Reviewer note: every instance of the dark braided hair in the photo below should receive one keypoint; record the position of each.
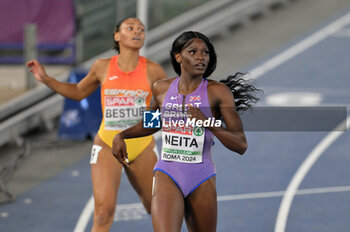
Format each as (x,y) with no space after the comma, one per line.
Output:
(243,92)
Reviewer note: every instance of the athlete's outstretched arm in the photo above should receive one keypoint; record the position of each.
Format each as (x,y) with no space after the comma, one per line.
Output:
(73,91)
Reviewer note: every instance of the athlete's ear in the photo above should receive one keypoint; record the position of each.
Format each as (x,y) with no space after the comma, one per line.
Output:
(116,36)
(178,58)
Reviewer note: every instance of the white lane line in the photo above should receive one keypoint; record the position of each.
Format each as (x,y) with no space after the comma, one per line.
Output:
(336,189)
(136,211)
(247,196)
(130,212)
(300,47)
(298,177)
(85,216)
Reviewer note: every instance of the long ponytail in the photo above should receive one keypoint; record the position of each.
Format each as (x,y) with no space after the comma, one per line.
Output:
(243,92)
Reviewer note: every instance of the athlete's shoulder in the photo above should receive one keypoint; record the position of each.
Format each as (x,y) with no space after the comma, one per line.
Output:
(149,61)
(98,70)
(213,84)
(163,84)
(218,89)
(152,64)
(155,71)
(101,63)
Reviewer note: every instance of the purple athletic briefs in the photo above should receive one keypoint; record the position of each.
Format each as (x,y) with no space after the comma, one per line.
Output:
(186,156)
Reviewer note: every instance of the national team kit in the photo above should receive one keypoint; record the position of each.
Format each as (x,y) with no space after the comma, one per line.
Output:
(124,97)
(186,150)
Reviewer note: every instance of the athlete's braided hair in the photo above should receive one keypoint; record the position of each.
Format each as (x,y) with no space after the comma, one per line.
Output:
(243,91)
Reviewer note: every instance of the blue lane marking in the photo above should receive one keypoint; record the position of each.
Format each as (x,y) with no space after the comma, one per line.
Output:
(55,204)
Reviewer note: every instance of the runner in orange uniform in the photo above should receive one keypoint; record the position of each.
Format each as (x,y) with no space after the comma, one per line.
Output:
(124,95)
(126,81)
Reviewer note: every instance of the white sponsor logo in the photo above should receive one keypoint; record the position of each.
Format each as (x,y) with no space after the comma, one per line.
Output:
(113,77)
(124,92)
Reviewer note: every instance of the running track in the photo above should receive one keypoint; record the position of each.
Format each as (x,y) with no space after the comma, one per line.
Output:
(286,181)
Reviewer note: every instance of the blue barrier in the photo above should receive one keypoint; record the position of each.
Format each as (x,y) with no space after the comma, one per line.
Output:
(80,119)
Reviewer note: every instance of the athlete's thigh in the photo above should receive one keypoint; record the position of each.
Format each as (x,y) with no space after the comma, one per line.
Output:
(201,207)
(140,174)
(105,174)
(167,204)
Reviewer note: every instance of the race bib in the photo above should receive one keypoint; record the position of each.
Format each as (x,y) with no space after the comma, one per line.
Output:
(122,112)
(183,144)
(94,153)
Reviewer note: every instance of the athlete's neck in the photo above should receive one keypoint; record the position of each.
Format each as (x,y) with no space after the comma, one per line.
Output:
(188,84)
(128,60)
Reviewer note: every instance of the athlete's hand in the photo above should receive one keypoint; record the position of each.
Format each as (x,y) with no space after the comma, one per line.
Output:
(37,69)
(196,113)
(119,150)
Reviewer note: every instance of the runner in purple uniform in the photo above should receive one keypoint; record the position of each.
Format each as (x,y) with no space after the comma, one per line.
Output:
(192,163)
(184,176)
